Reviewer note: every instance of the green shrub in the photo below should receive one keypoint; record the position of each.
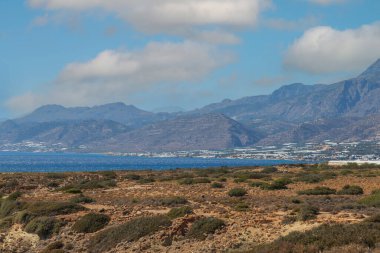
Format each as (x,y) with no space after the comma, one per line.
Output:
(180,212)
(324,238)
(14,195)
(237,192)
(108,174)
(319,190)
(296,201)
(90,184)
(241,207)
(371,200)
(189,181)
(133,177)
(9,206)
(172,201)
(6,223)
(258,184)
(73,191)
(279,184)
(38,209)
(43,226)
(217,185)
(128,232)
(307,212)
(269,170)
(147,180)
(91,223)
(82,199)
(204,226)
(240,180)
(351,190)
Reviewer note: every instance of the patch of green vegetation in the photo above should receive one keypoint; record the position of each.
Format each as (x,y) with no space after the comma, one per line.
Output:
(172,201)
(133,177)
(55,175)
(269,170)
(6,223)
(278,184)
(371,200)
(54,247)
(324,238)
(9,207)
(351,190)
(73,191)
(205,226)
(108,174)
(90,184)
(241,207)
(43,226)
(258,184)
(217,185)
(179,212)
(250,175)
(319,190)
(147,180)
(91,223)
(307,212)
(189,181)
(237,192)
(129,232)
(14,195)
(39,209)
(81,199)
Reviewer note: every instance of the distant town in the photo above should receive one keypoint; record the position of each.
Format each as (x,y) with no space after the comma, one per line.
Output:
(325,151)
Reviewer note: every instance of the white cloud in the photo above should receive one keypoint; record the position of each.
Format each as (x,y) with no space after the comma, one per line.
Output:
(323,49)
(127,75)
(168,16)
(327,2)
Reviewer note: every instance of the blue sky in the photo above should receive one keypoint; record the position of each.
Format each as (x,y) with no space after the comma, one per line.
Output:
(185,53)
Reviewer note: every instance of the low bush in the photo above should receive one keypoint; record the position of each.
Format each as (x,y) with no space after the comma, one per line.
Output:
(55,247)
(324,238)
(217,185)
(180,212)
(351,190)
(269,170)
(14,195)
(307,212)
(237,192)
(39,209)
(172,201)
(241,207)
(128,232)
(91,223)
(9,206)
(371,200)
(279,184)
(81,199)
(189,181)
(319,190)
(43,226)
(258,184)
(73,191)
(90,184)
(6,223)
(147,180)
(133,177)
(204,226)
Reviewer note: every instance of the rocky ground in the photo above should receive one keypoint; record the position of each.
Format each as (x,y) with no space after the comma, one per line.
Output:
(271,207)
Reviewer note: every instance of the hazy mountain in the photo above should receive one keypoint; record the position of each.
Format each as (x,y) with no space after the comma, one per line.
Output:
(119,112)
(343,111)
(208,131)
(298,102)
(70,133)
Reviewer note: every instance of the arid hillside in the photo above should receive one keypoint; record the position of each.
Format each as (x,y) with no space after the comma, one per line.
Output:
(310,208)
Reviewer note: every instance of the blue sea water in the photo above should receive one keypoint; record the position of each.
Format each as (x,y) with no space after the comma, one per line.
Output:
(58,162)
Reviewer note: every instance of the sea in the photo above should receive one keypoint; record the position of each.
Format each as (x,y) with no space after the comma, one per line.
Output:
(66,162)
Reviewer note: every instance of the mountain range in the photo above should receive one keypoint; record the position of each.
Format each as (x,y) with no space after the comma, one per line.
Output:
(344,111)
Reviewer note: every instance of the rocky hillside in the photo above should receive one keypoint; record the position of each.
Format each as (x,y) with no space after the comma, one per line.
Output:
(209,131)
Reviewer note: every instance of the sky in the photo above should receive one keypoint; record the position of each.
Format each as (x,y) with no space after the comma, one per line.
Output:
(176,53)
